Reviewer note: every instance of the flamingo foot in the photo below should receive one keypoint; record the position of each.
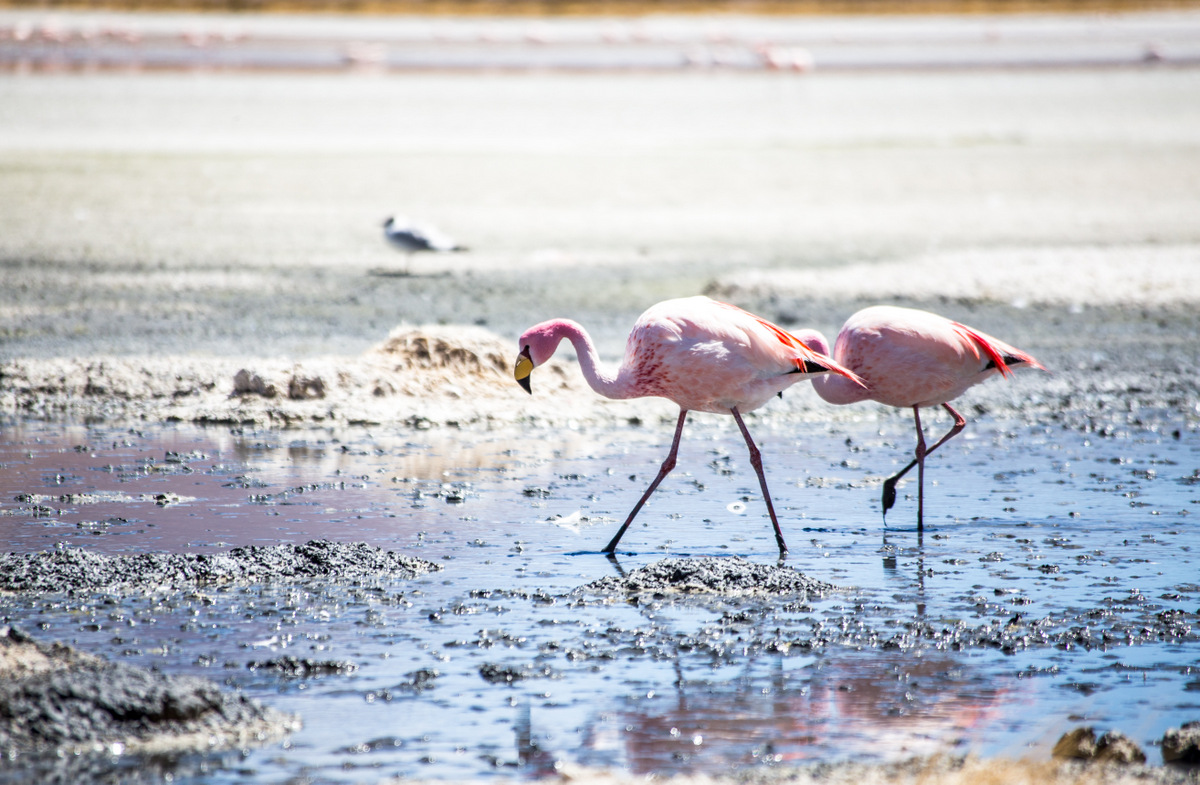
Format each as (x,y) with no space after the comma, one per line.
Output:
(889,494)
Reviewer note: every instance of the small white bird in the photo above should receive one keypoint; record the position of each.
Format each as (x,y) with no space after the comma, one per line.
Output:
(411,238)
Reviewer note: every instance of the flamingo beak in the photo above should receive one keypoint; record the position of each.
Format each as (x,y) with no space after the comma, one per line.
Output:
(523,370)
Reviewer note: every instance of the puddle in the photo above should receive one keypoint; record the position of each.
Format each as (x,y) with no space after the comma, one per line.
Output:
(1055,585)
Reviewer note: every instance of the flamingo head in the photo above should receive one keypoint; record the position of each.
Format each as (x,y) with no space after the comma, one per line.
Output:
(537,346)
(813,340)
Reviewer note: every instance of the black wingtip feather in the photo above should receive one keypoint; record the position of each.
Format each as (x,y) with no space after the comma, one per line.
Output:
(810,366)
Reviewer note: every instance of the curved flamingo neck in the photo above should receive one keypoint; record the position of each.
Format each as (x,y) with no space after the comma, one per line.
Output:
(830,386)
(599,377)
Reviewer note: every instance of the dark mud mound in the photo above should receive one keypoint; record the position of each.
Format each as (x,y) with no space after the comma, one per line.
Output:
(726,577)
(302,668)
(73,570)
(65,714)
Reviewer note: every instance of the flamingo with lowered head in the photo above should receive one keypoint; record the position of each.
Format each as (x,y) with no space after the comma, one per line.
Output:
(908,359)
(702,354)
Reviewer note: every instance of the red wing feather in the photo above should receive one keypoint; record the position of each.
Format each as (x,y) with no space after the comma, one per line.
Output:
(993,353)
(807,354)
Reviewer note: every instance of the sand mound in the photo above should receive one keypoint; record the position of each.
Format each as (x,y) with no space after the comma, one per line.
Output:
(445,375)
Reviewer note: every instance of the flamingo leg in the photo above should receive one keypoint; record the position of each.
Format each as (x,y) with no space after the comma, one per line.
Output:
(921,453)
(756,462)
(666,468)
(889,485)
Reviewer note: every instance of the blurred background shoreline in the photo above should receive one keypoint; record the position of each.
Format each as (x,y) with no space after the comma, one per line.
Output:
(609,8)
(653,39)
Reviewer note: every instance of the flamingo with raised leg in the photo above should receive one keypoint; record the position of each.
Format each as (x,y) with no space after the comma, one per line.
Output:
(702,354)
(908,359)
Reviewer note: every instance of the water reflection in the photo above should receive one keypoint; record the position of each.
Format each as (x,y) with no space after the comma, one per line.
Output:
(892,570)
(872,707)
(201,489)
(388,455)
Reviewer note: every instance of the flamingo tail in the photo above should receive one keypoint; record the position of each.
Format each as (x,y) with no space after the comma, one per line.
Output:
(1001,355)
(806,361)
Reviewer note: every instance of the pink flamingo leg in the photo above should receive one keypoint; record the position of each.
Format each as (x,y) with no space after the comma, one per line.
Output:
(667,466)
(889,485)
(756,462)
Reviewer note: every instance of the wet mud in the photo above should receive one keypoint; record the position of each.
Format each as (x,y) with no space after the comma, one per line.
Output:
(730,577)
(76,570)
(528,651)
(68,716)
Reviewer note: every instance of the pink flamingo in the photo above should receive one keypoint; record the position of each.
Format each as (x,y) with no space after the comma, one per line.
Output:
(910,358)
(703,355)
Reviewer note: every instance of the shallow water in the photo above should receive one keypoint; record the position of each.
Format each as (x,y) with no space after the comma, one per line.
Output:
(1074,543)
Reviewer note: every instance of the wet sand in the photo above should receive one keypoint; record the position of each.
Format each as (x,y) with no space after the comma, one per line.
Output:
(183,249)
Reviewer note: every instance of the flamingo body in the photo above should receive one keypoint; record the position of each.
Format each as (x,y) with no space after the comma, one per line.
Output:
(910,358)
(702,354)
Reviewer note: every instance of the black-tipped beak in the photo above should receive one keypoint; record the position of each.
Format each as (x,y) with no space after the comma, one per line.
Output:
(523,370)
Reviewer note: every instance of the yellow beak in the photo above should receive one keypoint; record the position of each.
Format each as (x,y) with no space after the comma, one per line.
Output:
(522,371)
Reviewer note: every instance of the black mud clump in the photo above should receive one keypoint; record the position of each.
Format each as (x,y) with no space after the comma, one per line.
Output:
(303,668)
(74,570)
(731,577)
(495,673)
(60,707)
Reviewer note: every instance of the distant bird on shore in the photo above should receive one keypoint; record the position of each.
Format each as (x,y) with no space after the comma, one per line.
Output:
(909,359)
(411,238)
(702,354)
